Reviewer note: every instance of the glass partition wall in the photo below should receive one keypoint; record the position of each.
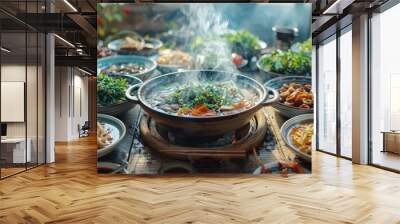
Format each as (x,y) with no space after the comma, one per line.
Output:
(334,89)
(385,90)
(22,77)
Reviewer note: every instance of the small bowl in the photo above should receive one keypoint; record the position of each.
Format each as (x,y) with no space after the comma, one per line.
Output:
(123,106)
(122,59)
(118,131)
(285,110)
(115,45)
(288,126)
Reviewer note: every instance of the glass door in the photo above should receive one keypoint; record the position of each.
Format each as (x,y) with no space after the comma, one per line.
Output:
(327,96)
(385,90)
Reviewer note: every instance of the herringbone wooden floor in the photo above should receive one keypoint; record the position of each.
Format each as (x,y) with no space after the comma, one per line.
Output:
(70,191)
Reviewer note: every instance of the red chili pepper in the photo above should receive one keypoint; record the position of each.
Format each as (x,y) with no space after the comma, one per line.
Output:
(99,21)
(127,10)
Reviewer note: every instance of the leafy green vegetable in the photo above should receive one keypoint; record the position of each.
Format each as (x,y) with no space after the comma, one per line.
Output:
(287,62)
(304,47)
(110,90)
(213,96)
(243,43)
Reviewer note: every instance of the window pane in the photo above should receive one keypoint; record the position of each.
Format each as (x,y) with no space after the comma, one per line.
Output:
(327,96)
(15,150)
(346,94)
(385,82)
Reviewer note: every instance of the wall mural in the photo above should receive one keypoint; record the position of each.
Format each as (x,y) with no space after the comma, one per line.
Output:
(204,88)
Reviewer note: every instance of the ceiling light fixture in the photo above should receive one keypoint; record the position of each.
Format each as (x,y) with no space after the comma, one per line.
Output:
(331,8)
(65,41)
(337,7)
(84,71)
(70,5)
(5,49)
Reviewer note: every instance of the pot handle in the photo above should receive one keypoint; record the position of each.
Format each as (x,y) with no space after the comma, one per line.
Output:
(129,95)
(271,99)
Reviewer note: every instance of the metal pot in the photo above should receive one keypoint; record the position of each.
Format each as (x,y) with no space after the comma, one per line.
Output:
(207,125)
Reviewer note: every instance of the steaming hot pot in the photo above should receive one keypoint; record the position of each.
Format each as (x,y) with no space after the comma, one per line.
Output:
(202,126)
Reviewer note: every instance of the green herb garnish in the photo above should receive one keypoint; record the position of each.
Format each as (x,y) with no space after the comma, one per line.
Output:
(110,90)
(213,96)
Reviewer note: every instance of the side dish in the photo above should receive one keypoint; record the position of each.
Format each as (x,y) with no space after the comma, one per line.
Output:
(110,90)
(301,137)
(131,44)
(104,52)
(125,69)
(243,42)
(175,57)
(104,137)
(296,95)
(286,62)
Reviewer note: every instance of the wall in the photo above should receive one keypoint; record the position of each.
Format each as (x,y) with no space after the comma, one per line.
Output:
(71,102)
(16,72)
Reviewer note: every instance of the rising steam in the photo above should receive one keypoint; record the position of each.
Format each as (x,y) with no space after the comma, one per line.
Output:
(207,24)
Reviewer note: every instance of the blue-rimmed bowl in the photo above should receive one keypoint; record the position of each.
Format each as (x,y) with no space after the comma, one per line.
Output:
(123,106)
(285,110)
(117,130)
(115,45)
(287,128)
(149,64)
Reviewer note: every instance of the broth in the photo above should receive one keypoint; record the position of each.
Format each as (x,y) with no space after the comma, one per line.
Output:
(208,99)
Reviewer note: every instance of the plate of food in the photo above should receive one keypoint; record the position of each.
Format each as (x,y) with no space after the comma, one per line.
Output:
(296,96)
(111,90)
(128,42)
(171,60)
(110,132)
(297,134)
(104,52)
(131,65)
(284,63)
